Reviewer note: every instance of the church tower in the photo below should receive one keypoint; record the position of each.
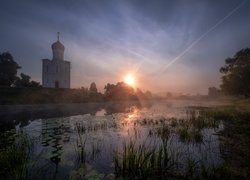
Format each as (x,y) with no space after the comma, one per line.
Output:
(56,72)
(58,49)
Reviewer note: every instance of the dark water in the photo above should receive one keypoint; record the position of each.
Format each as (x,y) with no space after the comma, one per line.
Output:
(102,131)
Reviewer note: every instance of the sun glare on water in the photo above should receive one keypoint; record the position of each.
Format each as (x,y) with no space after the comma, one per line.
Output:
(129,79)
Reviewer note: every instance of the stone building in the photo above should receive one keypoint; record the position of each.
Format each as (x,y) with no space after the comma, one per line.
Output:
(56,72)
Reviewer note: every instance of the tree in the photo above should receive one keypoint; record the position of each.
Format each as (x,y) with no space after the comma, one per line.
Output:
(119,92)
(24,81)
(236,73)
(93,88)
(8,69)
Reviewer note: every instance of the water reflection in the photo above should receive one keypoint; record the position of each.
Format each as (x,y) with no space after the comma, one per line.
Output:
(90,139)
(22,115)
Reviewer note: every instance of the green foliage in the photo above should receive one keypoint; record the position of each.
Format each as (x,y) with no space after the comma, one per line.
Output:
(8,69)
(236,73)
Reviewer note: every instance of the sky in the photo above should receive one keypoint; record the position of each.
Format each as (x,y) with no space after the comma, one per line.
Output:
(177,46)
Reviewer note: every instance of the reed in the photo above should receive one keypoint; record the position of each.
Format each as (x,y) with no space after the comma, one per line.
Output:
(15,160)
(144,160)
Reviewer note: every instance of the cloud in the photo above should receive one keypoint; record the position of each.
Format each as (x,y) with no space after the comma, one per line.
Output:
(105,39)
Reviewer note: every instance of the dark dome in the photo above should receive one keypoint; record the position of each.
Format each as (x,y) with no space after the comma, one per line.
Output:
(57,45)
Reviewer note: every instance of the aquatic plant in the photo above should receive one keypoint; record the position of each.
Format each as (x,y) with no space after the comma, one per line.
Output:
(191,168)
(190,134)
(85,172)
(80,143)
(96,150)
(144,160)
(163,132)
(173,122)
(184,134)
(15,160)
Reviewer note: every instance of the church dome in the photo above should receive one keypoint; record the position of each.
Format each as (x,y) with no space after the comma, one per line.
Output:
(57,45)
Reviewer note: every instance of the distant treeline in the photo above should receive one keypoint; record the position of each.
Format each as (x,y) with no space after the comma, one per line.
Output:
(39,95)
(23,90)
(45,95)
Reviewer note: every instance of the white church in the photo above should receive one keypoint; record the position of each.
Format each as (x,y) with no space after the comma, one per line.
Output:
(56,72)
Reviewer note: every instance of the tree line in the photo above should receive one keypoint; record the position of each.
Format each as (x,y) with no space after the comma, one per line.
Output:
(235,80)
(21,89)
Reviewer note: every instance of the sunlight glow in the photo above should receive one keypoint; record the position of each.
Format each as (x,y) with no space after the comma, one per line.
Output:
(129,79)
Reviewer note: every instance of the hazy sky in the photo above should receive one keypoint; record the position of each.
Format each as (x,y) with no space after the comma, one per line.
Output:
(176,45)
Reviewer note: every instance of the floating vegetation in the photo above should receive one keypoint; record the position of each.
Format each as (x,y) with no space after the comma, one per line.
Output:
(157,144)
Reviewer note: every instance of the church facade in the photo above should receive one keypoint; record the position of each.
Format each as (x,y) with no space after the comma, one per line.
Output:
(56,72)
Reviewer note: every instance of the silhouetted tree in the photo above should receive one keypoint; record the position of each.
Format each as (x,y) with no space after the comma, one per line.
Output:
(8,69)
(236,73)
(24,81)
(120,91)
(93,88)
(35,84)
(140,94)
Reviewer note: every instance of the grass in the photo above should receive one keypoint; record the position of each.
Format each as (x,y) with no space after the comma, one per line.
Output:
(80,143)
(173,122)
(201,119)
(154,160)
(15,160)
(187,134)
(144,161)
(235,142)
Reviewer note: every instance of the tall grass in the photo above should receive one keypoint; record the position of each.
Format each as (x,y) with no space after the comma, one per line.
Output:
(80,143)
(15,160)
(190,134)
(145,160)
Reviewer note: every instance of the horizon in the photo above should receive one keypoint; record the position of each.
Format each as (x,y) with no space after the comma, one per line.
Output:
(167,45)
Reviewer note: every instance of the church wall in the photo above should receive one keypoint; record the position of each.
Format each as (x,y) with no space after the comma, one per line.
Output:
(56,71)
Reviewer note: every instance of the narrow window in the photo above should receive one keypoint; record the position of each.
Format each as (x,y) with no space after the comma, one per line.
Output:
(47,68)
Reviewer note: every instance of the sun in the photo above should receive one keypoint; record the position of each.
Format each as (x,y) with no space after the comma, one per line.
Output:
(129,79)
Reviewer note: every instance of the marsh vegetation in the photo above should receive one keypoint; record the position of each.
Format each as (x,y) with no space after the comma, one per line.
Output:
(159,141)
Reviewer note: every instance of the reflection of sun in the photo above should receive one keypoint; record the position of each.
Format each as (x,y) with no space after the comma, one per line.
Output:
(133,113)
(129,79)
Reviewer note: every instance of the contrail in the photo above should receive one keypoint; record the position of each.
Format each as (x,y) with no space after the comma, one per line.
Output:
(203,35)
